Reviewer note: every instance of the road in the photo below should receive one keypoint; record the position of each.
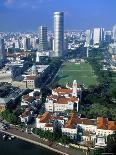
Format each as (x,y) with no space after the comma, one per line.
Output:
(36,140)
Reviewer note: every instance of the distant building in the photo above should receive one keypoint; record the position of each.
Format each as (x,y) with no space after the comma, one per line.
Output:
(88,38)
(28,44)
(108,36)
(50,43)
(98,36)
(43,43)
(42,57)
(65,44)
(114,33)
(2,49)
(8,95)
(58,34)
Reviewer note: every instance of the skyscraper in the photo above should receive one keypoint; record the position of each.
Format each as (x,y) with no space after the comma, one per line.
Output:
(43,44)
(114,33)
(101,35)
(108,36)
(28,43)
(98,36)
(58,34)
(2,49)
(88,37)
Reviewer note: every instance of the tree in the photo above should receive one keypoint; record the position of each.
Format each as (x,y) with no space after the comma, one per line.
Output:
(97,151)
(111,143)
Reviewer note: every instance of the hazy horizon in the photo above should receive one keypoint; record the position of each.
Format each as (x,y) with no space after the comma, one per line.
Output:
(27,15)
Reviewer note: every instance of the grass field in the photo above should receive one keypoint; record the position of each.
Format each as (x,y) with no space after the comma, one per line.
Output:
(83,73)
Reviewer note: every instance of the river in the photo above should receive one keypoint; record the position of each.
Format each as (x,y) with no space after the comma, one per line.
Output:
(19,147)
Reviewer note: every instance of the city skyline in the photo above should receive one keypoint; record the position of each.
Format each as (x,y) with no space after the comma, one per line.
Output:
(27,15)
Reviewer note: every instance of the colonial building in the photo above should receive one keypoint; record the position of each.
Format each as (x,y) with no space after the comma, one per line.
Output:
(32,99)
(26,115)
(63,99)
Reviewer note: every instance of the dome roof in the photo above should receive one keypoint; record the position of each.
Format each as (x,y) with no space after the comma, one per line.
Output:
(33,68)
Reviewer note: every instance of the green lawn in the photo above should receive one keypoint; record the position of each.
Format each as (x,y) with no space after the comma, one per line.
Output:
(81,72)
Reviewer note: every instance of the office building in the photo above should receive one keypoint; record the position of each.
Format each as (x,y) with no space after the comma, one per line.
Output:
(98,36)
(101,35)
(58,34)
(114,33)
(88,38)
(28,44)
(43,43)
(108,36)
(2,49)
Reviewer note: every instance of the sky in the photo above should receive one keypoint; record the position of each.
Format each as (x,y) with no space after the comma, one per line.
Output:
(27,15)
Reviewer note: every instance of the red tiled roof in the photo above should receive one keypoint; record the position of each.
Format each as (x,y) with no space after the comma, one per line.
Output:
(63,91)
(57,118)
(64,100)
(53,97)
(30,77)
(112,125)
(102,123)
(49,125)
(28,98)
(45,117)
(74,120)
(73,99)
(26,113)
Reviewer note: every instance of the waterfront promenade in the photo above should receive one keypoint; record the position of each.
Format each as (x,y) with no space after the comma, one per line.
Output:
(36,140)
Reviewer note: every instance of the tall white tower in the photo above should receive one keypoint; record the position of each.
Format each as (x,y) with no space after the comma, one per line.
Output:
(58,34)
(74,93)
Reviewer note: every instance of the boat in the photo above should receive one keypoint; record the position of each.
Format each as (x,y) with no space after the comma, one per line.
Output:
(5,137)
(12,137)
(9,138)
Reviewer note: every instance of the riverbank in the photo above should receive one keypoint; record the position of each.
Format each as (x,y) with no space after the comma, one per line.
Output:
(45,144)
(17,146)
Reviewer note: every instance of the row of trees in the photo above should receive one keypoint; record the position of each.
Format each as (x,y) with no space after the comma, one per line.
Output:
(100,98)
(11,117)
(52,136)
(46,77)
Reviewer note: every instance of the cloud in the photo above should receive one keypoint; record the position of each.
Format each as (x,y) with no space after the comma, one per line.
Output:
(33,4)
(8,3)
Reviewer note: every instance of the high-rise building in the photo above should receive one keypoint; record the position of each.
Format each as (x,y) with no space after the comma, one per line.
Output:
(58,34)
(50,43)
(98,36)
(114,33)
(101,35)
(108,36)
(65,44)
(43,44)
(2,49)
(28,44)
(88,38)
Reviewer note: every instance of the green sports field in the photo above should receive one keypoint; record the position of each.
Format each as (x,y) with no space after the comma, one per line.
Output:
(83,73)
